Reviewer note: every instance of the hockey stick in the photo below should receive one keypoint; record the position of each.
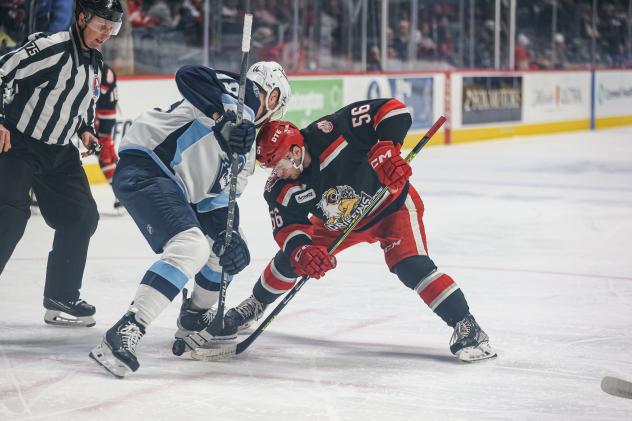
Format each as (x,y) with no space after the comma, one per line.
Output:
(217,324)
(617,387)
(211,354)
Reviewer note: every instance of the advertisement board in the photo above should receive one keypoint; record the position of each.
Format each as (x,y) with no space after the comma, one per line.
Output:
(416,92)
(556,96)
(613,93)
(313,98)
(491,99)
(138,95)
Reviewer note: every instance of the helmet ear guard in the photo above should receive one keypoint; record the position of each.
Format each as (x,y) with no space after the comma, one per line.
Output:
(269,75)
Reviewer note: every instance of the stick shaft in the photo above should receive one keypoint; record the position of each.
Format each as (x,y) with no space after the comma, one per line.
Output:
(218,322)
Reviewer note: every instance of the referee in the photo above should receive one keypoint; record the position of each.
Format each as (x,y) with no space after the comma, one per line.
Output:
(49,89)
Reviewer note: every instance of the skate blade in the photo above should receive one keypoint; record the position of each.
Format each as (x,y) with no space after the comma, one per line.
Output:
(471,354)
(214,354)
(59,318)
(102,354)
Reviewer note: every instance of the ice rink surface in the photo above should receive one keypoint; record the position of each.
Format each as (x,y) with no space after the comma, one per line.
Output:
(537,232)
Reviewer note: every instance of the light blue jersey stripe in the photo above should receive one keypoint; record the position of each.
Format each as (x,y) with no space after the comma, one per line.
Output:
(171,273)
(212,276)
(191,136)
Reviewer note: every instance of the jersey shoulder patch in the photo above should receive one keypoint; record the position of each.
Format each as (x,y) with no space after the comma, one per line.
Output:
(280,192)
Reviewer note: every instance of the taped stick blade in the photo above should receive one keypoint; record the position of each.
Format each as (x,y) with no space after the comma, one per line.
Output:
(214,354)
(617,387)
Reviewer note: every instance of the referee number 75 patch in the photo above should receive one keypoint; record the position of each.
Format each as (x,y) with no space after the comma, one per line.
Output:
(31,49)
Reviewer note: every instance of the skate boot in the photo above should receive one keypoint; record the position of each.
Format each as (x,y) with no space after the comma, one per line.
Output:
(117,352)
(469,343)
(242,316)
(119,209)
(190,321)
(75,313)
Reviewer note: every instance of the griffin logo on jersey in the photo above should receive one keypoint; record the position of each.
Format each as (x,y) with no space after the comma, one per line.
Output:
(341,205)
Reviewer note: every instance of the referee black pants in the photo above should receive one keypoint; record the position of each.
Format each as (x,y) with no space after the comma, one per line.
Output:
(56,176)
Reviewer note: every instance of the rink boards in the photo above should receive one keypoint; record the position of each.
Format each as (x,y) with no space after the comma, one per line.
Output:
(479,104)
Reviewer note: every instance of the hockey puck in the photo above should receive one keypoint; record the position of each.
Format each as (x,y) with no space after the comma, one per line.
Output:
(178,347)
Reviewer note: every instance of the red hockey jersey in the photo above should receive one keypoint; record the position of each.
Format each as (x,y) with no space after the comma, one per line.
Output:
(339,182)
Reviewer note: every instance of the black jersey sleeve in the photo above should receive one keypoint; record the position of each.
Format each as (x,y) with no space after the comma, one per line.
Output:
(375,120)
(200,86)
(107,102)
(291,226)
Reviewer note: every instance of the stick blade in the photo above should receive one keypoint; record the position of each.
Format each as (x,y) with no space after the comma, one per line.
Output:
(617,387)
(214,354)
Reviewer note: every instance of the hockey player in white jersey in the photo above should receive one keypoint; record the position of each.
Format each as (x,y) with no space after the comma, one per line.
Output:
(173,179)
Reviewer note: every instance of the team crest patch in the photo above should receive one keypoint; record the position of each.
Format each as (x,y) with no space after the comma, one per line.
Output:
(272,180)
(341,205)
(325,126)
(96,86)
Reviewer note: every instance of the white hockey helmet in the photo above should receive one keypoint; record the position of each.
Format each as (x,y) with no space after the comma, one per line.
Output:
(269,75)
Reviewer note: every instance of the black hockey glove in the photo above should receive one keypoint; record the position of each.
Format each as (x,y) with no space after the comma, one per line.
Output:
(235,257)
(233,137)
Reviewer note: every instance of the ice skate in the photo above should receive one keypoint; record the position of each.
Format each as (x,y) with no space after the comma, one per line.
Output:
(119,209)
(190,321)
(192,325)
(469,343)
(74,313)
(242,316)
(117,352)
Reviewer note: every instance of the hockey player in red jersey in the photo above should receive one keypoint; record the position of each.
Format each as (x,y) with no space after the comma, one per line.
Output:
(330,170)
(104,124)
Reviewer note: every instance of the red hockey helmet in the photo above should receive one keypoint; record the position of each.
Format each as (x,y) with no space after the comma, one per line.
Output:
(274,141)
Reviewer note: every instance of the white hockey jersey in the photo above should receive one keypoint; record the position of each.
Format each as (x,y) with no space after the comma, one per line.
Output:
(181,141)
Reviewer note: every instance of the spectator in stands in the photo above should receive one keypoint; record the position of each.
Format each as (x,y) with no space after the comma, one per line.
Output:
(427,46)
(48,15)
(401,39)
(559,52)
(522,53)
(159,14)
(373,61)
(12,24)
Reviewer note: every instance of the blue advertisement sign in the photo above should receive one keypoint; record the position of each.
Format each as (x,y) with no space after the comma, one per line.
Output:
(417,93)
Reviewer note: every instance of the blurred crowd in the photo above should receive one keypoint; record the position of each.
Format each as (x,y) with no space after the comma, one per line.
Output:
(328,35)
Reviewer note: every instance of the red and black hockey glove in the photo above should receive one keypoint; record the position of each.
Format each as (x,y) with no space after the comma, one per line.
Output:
(312,261)
(392,170)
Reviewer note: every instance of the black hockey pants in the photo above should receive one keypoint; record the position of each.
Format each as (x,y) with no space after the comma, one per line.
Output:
(60,184)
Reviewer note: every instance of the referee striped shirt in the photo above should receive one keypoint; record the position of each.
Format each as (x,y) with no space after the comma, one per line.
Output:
(50,87)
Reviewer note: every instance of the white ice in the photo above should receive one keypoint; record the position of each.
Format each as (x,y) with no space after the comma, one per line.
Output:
(537,231)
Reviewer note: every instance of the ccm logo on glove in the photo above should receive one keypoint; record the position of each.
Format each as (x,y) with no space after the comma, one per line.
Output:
(392,170)
(312,261)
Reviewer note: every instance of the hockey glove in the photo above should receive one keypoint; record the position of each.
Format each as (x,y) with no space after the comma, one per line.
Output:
(392,170)
(312,261)
(233,137)
(235,257)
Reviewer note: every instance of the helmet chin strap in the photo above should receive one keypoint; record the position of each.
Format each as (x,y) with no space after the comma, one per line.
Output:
(299,166)
(82,30)
(269,112)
